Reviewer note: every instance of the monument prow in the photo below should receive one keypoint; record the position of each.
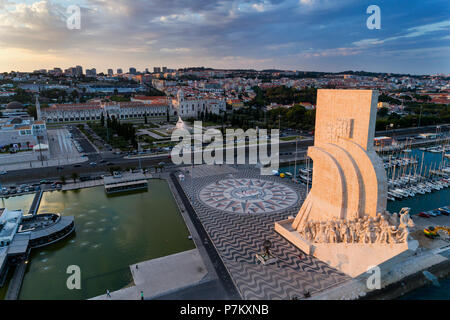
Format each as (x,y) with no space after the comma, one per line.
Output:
(343,220)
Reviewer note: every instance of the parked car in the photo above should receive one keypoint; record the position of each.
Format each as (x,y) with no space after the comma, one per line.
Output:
(423,215)
(3,172)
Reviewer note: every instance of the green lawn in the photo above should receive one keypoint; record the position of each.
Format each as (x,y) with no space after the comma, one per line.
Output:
(158,133)
(288,138)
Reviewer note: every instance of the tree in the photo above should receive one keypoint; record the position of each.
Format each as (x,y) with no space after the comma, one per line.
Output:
(102,120)
(31,110)
(63,179)
(145,118)
(383,112)
(74,176)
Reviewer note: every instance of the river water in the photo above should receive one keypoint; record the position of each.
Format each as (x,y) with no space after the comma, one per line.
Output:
(112,232)
(115,232)
(417,204)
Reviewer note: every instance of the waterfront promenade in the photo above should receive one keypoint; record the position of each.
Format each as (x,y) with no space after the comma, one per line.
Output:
(161,276)
(16,281)
(237,231)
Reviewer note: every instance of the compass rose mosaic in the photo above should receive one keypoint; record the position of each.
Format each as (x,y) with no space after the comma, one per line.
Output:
(248,196)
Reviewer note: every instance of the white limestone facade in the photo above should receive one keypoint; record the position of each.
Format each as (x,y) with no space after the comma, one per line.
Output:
(193,106)
(93,111)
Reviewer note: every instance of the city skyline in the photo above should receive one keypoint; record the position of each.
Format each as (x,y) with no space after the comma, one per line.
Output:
(305,35)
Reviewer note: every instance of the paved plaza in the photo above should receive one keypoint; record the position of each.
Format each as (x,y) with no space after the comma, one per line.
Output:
(162,276)
(248,196)
(62,152)
(238,209)
(61,145)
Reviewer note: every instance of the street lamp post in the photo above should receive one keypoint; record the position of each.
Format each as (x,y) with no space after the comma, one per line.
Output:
(420,116)
(40,149)
(295,163)
(279,122)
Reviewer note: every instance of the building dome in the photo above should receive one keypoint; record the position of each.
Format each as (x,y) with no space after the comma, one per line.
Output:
(14,106)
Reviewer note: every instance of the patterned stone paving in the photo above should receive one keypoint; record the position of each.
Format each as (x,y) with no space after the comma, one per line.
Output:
(248,196)
(238,235)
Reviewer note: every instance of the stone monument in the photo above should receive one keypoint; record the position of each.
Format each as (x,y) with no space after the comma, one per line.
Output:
(343,220)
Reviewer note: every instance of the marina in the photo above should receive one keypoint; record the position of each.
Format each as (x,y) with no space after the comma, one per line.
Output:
(121,229)
(103,212)
(410,172)
(432,195)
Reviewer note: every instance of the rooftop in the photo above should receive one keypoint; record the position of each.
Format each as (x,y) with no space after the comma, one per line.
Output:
(124,178)
(9,223)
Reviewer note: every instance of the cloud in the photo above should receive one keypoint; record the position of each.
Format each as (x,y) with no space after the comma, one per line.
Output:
(428,28)
(225,33)
(412,32)
(175,50)
(280,46)
(332,52)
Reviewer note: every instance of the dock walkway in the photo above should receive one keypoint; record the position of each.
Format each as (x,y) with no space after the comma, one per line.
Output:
(36,202)
(16,281)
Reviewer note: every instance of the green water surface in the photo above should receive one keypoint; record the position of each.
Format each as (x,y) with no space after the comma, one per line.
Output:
(112,232)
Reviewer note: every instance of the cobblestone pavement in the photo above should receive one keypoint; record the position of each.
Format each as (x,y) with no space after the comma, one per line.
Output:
(238,236)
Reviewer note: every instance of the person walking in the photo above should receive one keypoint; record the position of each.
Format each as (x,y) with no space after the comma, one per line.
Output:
(108,294)
(142,295)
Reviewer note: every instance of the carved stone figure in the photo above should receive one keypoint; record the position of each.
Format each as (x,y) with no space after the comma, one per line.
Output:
(348,196)
(365,230)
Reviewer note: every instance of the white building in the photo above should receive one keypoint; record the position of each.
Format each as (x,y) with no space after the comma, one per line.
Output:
(9,224)
(21,133)
(92,111)
(193,106)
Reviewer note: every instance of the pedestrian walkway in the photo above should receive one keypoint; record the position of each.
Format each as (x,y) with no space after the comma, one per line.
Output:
(36,202)
(41,164)
(16,281)
(162,276)
(237,238)
(152,134)
(82,184)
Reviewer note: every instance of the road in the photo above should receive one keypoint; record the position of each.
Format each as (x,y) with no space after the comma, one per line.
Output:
(102,159)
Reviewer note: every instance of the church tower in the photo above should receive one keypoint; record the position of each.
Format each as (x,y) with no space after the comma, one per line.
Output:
(180,96)
(38,109)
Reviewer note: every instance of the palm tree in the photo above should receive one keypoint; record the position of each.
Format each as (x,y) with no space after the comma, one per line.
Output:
(74,176)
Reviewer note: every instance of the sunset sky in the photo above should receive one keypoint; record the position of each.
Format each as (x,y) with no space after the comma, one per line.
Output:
(319,35)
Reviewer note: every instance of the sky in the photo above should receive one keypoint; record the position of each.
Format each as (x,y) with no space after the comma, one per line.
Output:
(309,35)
